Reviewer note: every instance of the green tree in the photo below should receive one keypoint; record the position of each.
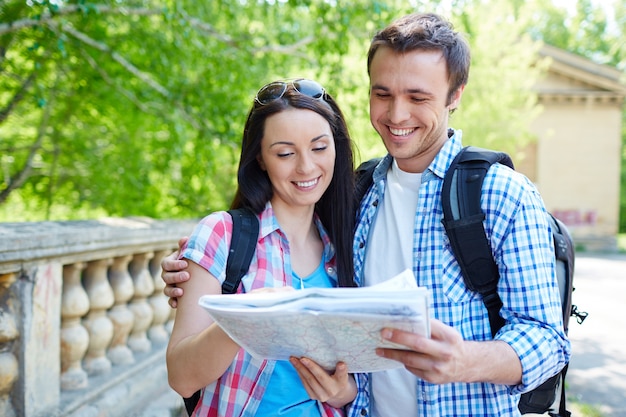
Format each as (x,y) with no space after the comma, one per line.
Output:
(498,105)
(136,108)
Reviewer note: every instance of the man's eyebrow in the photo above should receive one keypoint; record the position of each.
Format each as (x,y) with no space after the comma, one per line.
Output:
(407,91)
(379,87)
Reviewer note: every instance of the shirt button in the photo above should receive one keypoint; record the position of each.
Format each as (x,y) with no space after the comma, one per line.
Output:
(363,412)
(375,203)
(330,270)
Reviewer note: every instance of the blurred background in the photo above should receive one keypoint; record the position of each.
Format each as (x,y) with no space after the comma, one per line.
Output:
(136,108)
(121,124)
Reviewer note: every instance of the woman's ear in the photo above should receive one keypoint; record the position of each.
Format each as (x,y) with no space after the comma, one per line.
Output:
(259,159)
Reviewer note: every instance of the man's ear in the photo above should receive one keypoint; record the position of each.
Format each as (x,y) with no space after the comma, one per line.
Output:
(455,100)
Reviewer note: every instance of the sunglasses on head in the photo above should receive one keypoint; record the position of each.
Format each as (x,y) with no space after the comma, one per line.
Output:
(275,90)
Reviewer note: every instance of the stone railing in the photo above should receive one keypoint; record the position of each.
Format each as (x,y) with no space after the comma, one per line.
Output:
(83,320)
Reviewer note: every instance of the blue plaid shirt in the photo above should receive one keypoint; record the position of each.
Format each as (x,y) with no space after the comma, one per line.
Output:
(519,233)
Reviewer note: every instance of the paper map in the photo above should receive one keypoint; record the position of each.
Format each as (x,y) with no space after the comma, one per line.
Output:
(327,325)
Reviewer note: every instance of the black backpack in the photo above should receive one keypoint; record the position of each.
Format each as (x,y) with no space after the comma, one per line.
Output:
(463,221)
(242,246)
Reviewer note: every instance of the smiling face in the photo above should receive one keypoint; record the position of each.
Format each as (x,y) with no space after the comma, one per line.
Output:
(298,154)
(408,104)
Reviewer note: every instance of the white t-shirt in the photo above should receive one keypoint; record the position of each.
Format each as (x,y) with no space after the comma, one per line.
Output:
(389,252)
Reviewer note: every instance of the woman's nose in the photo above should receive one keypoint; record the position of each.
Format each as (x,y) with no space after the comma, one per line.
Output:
(305,163)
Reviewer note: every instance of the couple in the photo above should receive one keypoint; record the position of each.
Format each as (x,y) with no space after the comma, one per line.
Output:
(296,173)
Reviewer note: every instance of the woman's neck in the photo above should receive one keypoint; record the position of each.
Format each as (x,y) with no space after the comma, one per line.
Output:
(305,243)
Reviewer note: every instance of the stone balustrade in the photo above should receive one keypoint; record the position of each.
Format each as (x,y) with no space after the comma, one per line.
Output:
(83,319)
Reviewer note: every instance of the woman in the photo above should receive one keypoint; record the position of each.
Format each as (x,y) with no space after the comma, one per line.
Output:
(296,174)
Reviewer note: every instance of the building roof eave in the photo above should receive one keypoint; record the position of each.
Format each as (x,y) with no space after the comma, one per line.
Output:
(583,70)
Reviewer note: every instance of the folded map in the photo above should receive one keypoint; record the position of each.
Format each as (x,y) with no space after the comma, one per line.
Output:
(327,325)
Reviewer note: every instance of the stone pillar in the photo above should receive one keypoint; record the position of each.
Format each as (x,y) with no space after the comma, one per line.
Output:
(97,322)
(8,361)
(74,336)
(158,302)
(144,287)
(41,337)
(120,314)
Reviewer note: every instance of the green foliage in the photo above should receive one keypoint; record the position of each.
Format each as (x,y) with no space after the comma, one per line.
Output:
(587,29)
(498,104)
(137,108)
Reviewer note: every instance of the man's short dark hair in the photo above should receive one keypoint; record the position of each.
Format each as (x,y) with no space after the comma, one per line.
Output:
(429,32)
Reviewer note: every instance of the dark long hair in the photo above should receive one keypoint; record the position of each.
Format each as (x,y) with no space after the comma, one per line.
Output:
(335,207)
(430,32)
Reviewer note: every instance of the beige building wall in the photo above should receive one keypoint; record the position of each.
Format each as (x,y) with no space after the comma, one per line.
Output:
(576,161)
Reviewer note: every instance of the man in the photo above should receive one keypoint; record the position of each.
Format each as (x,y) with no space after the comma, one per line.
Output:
(418,68)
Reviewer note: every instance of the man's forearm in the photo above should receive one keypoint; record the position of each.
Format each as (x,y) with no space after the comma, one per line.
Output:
(492,361)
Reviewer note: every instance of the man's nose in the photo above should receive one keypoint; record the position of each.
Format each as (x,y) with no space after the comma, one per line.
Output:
(398,111)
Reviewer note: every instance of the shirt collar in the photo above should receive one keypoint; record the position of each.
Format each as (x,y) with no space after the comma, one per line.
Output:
(269,224)
(437,167)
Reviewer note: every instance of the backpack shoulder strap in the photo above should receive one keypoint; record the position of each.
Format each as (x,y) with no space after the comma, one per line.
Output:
(242,246)
(463,221)
(244,238)
(363,179)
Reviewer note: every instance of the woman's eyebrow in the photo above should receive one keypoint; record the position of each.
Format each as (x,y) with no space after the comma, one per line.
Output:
(285,142)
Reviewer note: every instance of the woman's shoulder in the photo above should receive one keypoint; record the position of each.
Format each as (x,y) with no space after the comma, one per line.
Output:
(210,240)
(215,218)
(214,226)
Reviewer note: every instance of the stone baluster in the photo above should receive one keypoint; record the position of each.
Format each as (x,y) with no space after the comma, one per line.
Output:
(144,287)
(8,361)
(122,318)
(158,301)
(170,320)
(97,322)
(172,311)
(74,337)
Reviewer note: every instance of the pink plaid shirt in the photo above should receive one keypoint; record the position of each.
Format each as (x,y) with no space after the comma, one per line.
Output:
(238,392)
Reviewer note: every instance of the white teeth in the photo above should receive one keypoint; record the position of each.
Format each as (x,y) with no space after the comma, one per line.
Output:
(306,183)
(400,132)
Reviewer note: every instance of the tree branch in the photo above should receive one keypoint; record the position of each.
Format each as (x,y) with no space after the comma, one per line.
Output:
(133,98)
(282,49)
(47,16)
(143,76)
(205,27)
(24,173)
(289,49)
(105,76)
(19,95)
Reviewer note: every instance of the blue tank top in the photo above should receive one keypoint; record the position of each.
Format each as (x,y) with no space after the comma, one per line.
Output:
(285,395)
